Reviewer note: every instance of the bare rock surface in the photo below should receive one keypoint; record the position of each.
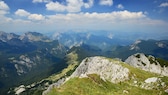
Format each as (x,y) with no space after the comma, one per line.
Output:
(109,70)
(149,63)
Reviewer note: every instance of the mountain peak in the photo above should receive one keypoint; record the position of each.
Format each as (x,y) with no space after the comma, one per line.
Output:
(134,46)
(7,36)
(34,36)
(148,63)
(109,70)
(100,74)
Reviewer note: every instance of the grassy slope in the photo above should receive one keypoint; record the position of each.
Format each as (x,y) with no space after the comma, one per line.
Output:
(93,85)
(88,86)
(73,63)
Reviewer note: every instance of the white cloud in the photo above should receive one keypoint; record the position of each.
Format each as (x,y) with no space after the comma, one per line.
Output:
(22,12)
(117,20)
(124,15)
(3,8)
(70,6)
(2,12)
(106,21)
(106,2)
(28,15)
(74,5)
(89,4)
(55,6)
(120,6)
(163,5)
(36,17)
(41,1)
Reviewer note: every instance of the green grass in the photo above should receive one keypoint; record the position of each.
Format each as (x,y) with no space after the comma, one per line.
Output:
(72,64)
(138,73)
(95,86)
(162,62)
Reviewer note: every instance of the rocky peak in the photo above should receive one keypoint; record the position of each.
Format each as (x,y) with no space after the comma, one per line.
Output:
(147,63)
(162,44)
(34,36)
(134,46)
(7,36)
(109,70)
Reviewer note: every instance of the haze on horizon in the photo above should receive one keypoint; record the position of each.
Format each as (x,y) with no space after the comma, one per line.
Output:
(125,16)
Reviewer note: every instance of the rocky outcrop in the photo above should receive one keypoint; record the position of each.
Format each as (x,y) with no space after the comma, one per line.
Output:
(34,36)
(147,63)
(24,64)
(151,83)
(19,89)
(108,69)
(134,46)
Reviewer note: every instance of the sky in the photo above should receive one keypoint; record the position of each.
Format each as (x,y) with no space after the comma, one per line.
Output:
(150,16)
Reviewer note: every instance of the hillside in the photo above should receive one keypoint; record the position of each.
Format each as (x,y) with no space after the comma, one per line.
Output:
(27,58)
(148,63)
(157,48)
(96,75)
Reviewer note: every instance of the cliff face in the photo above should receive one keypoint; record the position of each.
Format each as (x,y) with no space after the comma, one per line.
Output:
(109,70)
(147,63)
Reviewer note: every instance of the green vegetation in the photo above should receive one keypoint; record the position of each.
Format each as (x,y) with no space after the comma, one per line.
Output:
(162,62)
(143,63)
(138,56)
(141,75)
(152,60)
(73,63)
(93,85)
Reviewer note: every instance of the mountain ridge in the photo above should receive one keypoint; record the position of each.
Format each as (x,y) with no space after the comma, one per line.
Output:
(134,78)
(33,56)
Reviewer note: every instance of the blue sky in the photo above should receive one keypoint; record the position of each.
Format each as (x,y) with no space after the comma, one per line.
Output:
(84,15)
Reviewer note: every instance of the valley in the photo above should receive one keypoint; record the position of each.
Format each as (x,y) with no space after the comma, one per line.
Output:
(32,62)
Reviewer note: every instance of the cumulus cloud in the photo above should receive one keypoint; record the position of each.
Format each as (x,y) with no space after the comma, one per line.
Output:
(55,6)
(99,20)
(163,5)
(89,4)
(70,6)
(3,8)
(22,12)
(106,2)
(120,6)
(116,20)
(36,17)
(41,1)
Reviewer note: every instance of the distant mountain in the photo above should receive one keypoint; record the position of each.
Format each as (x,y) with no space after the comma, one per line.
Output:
(4,37)
(28,58)
(32,57)
(102,41)
(100,75)
(150,47)
(113,45)
(34,36)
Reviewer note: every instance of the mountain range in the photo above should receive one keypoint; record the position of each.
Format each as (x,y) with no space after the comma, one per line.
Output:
(28,58)
(105,76)
(38,61)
